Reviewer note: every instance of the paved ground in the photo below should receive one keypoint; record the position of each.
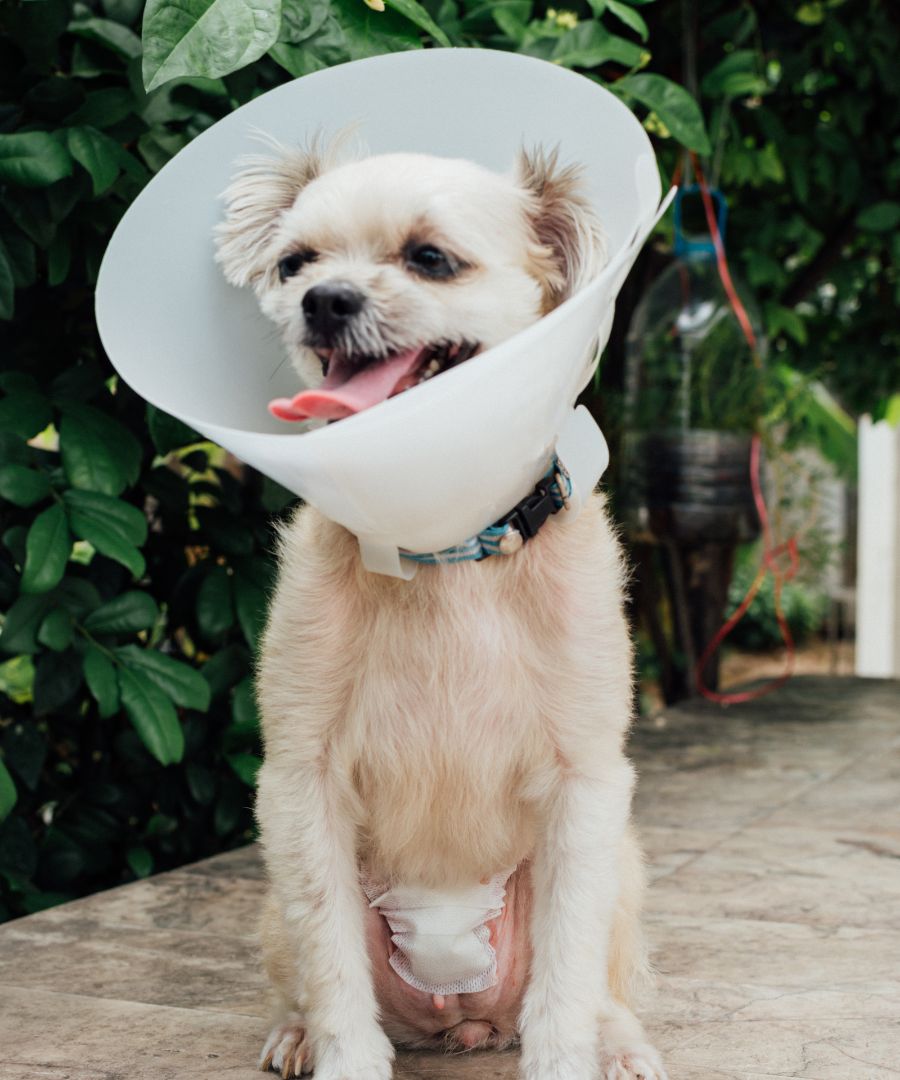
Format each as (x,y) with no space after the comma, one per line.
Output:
(773,836)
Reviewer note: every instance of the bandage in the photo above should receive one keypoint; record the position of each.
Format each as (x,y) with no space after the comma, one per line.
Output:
(442,943)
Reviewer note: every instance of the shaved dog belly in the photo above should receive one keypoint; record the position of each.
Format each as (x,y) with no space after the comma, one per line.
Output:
(485,1019)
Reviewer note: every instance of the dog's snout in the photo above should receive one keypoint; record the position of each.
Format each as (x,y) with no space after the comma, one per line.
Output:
(328,307)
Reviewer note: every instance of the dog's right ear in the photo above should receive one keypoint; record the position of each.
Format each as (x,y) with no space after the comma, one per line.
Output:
(261,192)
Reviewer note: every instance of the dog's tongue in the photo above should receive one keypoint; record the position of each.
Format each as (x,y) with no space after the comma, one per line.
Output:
(346,391)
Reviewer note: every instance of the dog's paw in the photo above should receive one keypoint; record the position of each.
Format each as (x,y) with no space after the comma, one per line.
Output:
(355,1058)
(639,1062)
(287,1049)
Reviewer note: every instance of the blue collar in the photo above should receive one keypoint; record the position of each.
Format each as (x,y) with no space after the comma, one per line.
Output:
(550,495)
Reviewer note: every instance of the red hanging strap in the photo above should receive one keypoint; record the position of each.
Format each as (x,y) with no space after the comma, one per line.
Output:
(773,553)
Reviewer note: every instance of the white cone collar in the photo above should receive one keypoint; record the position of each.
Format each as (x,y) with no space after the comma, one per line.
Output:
(440,462)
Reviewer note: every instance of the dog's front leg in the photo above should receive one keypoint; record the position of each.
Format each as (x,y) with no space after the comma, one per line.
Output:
(568,1009)
(309,839)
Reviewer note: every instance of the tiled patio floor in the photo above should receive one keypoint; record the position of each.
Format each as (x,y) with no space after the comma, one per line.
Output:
(773,835)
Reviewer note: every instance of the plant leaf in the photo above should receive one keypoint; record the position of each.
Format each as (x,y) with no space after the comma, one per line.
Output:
(97,153)
(418,15)
(879,217)
(8,793)
(250,604)
(672,104)
(183,684)
(152,715)
(111,35)
(23,620)
(107,538)
(215,607)
(629,16)
(117,515)
(124,614)
(169,433)
(100,676)
(140,860)
(589,44)
(209,38)
(56,630)
(245,767)
(33,159)
(7,285)
(47,551)
(25,413)
(98,453)
(23,486)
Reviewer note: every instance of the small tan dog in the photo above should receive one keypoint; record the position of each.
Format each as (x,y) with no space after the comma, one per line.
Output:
(434,746)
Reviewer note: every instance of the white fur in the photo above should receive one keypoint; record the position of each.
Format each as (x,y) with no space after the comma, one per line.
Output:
(440,730)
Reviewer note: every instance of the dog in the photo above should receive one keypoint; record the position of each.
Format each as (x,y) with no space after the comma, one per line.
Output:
(451,744)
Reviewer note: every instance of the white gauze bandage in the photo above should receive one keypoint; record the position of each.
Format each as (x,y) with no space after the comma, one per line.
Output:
(442,945)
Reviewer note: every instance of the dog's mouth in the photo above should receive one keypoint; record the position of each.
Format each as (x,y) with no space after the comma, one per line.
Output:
(353,384)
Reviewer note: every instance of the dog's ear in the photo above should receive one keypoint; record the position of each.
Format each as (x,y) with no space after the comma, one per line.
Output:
(263,189)
(570,245)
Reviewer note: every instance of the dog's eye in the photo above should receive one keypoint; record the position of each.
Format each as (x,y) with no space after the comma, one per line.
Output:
(429,260)
(292,264)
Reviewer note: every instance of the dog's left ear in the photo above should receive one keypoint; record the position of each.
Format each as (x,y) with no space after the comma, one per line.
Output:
(261,192)
(570,246)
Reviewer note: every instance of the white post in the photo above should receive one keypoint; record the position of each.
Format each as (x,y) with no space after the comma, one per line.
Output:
(878,557)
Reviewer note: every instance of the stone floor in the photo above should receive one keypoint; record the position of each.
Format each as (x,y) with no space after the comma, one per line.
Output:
(773,836)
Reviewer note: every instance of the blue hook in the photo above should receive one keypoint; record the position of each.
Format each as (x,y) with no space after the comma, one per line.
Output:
(687,247)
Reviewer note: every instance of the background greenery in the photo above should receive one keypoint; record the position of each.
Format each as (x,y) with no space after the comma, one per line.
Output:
(134,559)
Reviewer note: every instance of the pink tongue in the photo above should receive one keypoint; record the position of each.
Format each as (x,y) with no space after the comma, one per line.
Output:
(340,396)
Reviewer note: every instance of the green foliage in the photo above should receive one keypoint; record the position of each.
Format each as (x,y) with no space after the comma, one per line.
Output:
(128,735)
(803,110)
(134,559)
(803,605)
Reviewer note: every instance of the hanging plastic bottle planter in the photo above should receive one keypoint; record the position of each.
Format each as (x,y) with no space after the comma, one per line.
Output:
(693,400)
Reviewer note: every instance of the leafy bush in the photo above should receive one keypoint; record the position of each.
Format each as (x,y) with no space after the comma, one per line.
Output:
(803,604)
(134,560)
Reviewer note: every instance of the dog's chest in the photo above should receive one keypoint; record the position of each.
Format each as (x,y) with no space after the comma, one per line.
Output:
(446,730)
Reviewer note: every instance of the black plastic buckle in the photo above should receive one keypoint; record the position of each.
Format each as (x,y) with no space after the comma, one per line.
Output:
(530,514)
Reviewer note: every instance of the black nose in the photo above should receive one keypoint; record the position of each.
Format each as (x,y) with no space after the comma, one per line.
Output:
(328,307)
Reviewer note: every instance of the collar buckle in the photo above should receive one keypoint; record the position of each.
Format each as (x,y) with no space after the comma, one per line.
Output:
(528,516)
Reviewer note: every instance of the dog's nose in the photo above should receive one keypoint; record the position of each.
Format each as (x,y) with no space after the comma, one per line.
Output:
(328,307)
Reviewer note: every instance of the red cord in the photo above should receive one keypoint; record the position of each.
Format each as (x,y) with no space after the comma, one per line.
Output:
(772,553)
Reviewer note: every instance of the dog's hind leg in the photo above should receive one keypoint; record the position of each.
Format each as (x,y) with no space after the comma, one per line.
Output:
(314,936)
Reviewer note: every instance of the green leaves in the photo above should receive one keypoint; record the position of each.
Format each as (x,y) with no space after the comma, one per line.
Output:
(23,486)
(183,684)
(738,75)
(672,104)
(98,453)
(8,794)
(418,15)
(629,17)
(126,614)
(152,715)
(879,217)
(115,528)
(97,153)
(47,551)
(100,676)
(589,44)
(205,37)
(33,159)
(349,31)
(215,603)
